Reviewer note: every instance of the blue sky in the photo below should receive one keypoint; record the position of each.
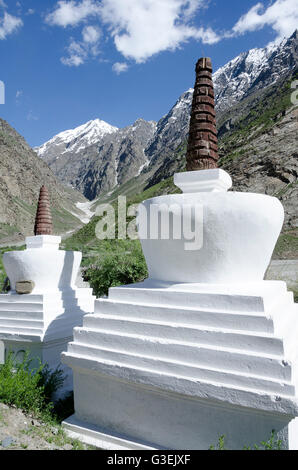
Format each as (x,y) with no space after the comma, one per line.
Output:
(67,62)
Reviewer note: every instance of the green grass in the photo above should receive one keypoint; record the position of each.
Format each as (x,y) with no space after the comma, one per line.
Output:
(233,156)
(263,114)
(63,220)
(287,246)
(7,230)
(31,209)
(31,390)
(28,388)
(273,443)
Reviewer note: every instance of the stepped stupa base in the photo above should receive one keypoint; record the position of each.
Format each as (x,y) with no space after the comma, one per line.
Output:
(175,366)
(42,325)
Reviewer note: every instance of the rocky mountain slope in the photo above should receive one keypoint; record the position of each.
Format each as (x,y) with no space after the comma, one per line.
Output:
(115,157)
(246,75)
(254,70)
(22,173)
(96,157)
(257,146)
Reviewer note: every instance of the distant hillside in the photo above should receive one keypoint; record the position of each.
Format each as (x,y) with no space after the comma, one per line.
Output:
(22,173)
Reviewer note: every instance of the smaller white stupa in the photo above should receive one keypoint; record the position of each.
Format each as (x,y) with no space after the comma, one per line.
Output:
(44,304)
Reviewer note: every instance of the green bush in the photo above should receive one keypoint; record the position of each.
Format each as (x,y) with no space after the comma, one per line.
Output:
(28,388)
(272,444)
(117,269)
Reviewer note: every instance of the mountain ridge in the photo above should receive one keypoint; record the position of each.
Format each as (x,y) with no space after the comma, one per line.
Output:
(122,154)
(22,173)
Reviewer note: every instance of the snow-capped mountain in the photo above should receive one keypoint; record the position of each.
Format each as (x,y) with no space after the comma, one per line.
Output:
(75,140)
(96,157)
(255,69)
(250,71)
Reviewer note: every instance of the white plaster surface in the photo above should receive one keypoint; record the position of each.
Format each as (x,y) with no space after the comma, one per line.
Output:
(240,231)
(173,348)
(203,181)
(202,348)
(43,263)
(42,322)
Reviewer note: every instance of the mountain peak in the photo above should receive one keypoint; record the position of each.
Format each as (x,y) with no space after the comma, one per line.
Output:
(79,137)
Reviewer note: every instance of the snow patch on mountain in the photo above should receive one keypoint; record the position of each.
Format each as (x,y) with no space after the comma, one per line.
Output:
(75,140)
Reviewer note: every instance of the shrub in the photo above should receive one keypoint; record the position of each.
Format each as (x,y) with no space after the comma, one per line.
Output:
(272,444)
(28,388)
(64,407)
(117,269)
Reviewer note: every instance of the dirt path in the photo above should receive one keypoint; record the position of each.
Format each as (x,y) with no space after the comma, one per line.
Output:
(19,431)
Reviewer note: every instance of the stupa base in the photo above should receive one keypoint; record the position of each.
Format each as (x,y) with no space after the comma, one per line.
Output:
(177,366)
(97,437)
(134,417)
(42,326)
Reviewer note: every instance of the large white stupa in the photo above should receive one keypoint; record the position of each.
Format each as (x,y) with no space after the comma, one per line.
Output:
(204,347)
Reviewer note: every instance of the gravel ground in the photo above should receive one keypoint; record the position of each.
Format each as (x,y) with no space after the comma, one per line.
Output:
(19,431)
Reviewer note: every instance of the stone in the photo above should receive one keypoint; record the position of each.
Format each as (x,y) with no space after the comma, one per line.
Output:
(24,287)
(7,441)
(68,447)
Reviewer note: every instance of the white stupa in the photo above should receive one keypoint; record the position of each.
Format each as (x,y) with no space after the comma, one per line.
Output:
(204,347)
(44,304)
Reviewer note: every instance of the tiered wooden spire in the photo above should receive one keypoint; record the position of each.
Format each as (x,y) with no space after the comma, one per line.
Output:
(202,150)
(43,221)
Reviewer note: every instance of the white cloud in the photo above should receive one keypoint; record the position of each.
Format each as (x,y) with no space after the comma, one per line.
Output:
(9,24)
(120,67)
(31,116)
(282,16)
(91,34)
(78,52)
(142,28)
(19,95)
(72,13)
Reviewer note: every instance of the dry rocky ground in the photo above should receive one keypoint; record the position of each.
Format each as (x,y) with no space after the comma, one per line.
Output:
(20,431)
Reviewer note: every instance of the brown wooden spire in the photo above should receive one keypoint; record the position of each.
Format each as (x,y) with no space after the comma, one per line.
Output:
(43,221)
(202,150)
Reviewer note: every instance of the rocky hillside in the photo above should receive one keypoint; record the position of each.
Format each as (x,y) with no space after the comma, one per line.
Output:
(254,70)
(96,157)
(22,173)
(258,146)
